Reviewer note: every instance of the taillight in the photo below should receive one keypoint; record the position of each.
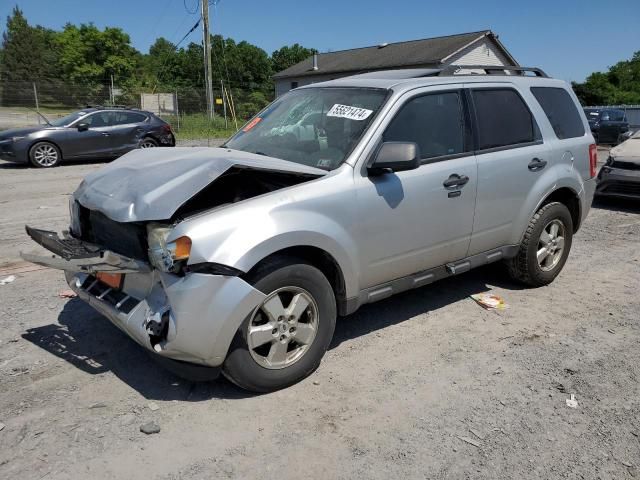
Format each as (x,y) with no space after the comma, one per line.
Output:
(593,159)
(166,128)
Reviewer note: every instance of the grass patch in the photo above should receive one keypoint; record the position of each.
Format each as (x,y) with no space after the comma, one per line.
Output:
(194,126)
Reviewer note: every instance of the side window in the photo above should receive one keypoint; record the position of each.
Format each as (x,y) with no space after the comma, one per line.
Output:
(123,118)
(434,121)
(616,116)
(503,119)
(560,110)
(98,119)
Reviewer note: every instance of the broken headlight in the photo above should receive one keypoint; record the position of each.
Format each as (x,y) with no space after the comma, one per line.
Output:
(74,217)
(166,256)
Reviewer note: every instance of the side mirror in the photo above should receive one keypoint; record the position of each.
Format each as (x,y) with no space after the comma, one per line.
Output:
(395,156)
(82,127)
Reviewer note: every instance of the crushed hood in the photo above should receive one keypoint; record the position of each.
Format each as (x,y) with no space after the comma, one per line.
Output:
(629,150)
(151,184)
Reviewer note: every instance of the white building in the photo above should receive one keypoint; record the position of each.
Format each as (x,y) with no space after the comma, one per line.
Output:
(476,48)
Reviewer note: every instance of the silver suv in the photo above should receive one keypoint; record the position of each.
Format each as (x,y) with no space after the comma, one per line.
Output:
(337,194)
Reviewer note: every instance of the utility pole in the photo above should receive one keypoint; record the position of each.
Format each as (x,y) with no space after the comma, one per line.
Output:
(224,103)
(113,97)
(207,56)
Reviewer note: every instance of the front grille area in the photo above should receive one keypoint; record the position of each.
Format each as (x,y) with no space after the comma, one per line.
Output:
(623,189)
(625,165)
(128,239)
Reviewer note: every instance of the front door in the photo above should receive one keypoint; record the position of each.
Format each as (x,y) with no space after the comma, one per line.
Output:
(95,142)
(410,221)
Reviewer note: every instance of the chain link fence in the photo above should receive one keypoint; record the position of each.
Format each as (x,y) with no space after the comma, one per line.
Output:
(183,107)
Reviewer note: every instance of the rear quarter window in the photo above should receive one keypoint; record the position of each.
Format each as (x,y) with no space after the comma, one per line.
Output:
(560,110)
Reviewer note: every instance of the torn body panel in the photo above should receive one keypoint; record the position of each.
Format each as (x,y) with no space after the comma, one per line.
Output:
(75,255)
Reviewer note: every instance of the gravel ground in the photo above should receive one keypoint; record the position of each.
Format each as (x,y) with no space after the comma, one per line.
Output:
(423,385)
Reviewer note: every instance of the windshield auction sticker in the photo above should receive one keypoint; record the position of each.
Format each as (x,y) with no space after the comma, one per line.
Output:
(352,113)
(252,124)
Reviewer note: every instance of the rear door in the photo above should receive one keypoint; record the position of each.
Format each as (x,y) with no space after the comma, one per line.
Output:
(511,160)
(410,221)
(127,129)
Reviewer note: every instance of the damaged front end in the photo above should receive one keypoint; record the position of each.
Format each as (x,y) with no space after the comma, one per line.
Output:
(119,256)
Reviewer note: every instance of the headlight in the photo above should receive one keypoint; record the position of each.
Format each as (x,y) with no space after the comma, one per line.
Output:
(74,217)
(166,256)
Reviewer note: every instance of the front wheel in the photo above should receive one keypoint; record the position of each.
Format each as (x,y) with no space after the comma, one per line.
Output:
(283,340)
(545,246)
(44,155)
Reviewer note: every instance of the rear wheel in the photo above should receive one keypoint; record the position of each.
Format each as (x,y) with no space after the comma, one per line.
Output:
(545,246)
(44,155)
(283,340)
(148,142)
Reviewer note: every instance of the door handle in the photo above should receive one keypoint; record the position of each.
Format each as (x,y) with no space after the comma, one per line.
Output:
(105,134)
(455,180)
(537,164)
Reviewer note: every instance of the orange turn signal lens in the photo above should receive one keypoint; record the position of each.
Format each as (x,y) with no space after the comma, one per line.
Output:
(183,248)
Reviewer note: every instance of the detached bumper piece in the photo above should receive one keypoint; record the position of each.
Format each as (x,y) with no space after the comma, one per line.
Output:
(76,255)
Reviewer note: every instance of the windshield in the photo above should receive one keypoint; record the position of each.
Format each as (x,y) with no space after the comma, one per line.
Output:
(317,127)
(67,119)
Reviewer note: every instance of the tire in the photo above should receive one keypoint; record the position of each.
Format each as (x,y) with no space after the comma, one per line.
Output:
(248,363)
(148,142)
(525,266)
(44,155)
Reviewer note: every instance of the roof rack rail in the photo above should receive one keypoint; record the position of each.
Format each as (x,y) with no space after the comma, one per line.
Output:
(493,70)
(126,107)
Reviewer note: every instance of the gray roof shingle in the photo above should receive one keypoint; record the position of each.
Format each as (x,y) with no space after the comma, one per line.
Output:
(394,55)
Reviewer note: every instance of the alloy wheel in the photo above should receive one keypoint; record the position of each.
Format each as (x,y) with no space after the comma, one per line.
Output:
(551,245)
(283,328)
(45,155)
(147,144)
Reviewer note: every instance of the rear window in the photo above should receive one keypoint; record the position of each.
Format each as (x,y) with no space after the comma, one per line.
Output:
(503,119)
(560,110)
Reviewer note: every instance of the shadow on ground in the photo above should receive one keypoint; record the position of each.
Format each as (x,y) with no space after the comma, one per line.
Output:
(88,341)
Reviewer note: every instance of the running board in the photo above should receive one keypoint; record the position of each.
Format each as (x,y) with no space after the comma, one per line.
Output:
(426,277)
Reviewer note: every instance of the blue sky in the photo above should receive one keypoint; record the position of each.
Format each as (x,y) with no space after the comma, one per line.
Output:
(568,38)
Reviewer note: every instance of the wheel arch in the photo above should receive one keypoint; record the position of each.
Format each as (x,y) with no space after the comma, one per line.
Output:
(44,140)
(569,198)
(319,258)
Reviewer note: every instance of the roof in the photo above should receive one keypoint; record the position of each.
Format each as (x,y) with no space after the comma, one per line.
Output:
(401,84)
(427,51)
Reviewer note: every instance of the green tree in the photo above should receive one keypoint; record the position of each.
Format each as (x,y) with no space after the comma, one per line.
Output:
(27,56)
(287,56)
(620,85)
(90,56)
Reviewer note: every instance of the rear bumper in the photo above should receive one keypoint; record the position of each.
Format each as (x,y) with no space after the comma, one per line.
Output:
(615,182)
(190,318)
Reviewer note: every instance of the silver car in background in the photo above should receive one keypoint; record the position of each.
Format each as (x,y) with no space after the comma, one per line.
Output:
(338,194)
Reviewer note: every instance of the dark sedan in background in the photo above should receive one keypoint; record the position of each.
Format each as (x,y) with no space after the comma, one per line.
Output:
(96,132)
(608,125)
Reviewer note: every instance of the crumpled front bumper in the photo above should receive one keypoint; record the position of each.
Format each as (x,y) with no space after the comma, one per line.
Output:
(199,313)
(203,311)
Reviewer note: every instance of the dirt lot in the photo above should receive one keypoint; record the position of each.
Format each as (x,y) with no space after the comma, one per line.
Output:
(423,385)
